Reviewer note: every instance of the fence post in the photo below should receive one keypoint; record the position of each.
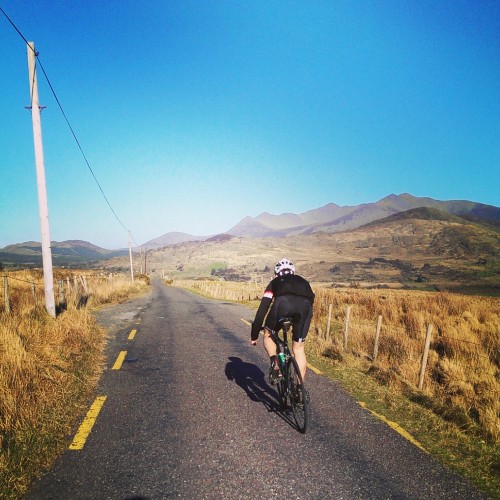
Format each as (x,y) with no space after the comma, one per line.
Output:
(33,291)
(329,320)
(6,293)
(425,355)
(84,284)
(61,291)
(377,336)
(346,326)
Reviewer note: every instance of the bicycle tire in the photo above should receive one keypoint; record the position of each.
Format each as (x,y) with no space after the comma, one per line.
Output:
(299,400)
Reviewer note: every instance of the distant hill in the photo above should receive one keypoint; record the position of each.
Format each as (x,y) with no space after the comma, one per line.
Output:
(422,213)
(431,232)
(65,253)
(329,219)
(171,238)
(333,218)
(422,248)
(221,237)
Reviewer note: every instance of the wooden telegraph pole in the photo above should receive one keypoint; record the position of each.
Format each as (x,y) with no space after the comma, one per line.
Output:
(130,256)
(42,192)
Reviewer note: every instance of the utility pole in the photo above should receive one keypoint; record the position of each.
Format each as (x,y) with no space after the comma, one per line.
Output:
(42,191)
(130,255)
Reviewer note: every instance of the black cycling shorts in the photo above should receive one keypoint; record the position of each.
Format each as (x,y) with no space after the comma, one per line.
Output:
(293,306)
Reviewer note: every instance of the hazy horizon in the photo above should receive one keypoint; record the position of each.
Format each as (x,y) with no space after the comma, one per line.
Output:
(203,236)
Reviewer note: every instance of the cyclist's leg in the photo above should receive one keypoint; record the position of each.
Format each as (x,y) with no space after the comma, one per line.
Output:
(300,356)
(300,330)
(269,343)
(271,349)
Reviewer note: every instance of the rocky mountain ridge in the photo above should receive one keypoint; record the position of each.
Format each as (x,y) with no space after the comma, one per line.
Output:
(423,244)
(333,218)
(421,248)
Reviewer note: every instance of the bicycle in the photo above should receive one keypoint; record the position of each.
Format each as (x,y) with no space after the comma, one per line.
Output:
(290,386)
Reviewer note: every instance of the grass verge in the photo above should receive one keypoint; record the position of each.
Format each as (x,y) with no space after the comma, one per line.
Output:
(49,368)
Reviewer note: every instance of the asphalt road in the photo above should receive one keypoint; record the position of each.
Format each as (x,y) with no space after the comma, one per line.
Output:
(189,414)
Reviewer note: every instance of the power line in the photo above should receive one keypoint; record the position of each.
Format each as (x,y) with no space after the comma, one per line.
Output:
(78,142)
(13,25)
(65,117)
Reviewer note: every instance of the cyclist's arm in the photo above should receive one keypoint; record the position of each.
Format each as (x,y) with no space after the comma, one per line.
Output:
(260,315)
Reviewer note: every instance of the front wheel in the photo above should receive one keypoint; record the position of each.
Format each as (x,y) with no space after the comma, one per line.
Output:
(299,399)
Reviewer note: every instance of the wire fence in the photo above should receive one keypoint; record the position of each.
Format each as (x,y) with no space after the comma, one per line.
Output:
(444,347)
(375,341)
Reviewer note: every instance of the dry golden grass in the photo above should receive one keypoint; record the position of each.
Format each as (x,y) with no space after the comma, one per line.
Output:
(48,369)
(462,379)
(222,290)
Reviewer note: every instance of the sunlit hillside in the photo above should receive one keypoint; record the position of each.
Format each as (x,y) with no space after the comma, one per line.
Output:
(436,253)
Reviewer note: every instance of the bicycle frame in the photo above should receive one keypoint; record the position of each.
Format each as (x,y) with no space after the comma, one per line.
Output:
(291,378)
(282,344)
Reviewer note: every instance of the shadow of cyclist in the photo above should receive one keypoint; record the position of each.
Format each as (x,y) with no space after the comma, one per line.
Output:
(253,381)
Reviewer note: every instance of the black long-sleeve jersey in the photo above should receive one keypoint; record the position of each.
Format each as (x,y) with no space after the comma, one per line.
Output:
(288,284)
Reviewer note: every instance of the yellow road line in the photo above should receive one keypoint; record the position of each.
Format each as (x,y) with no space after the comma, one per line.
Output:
(119,360)
(246,322)
(132,334)
(87,424)
(314,369)
(394,426)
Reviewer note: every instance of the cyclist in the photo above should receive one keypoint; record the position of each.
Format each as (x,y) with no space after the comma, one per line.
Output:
(292,296)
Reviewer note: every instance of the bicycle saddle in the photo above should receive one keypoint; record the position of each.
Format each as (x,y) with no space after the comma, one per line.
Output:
(284,322)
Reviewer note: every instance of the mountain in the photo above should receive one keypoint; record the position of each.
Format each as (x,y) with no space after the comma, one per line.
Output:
(171,238)
(433,233)
(65,253)
(333,218)
(422,248)
(329,219)
(421,213)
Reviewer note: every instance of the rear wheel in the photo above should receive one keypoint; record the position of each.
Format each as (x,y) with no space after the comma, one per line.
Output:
(299,399)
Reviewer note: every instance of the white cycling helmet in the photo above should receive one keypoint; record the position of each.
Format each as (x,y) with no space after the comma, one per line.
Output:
(284,266)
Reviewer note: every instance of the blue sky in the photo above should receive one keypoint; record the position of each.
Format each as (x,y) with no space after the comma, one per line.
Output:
(195,114)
